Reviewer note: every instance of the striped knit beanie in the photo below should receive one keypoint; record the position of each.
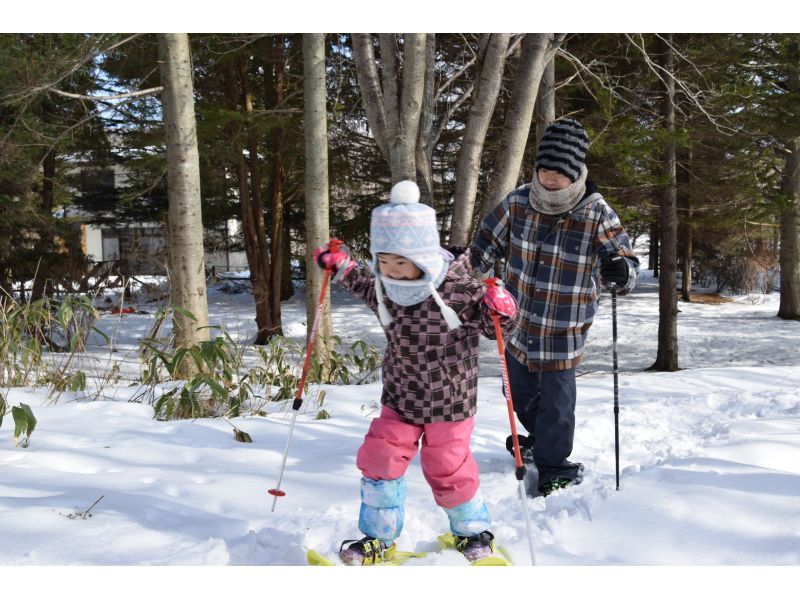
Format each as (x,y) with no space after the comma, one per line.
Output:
(563,148)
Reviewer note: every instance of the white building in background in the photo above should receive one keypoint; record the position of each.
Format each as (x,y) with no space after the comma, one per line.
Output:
(141,247)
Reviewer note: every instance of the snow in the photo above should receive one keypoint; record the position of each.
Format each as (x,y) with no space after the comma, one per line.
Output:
(710,464)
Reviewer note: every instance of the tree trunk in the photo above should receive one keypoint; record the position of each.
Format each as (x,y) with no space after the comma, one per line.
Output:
(403,101)
(686,260)
(685,227)
(546,102)
(186,258)
(287,288)
(260,269)
(370,86)
(394,114)
(39,288)
(48,180)
(667,355)
(425,136)
(652,260)
(517,123)
(249,235)
(276,185)
(469,159)
(789,308)
(316,179)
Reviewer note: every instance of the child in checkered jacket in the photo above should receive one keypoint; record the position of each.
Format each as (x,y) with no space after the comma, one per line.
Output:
(433,312)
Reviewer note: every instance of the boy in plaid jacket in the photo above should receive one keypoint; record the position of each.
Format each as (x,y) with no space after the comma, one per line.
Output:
(557,234)
(433,312)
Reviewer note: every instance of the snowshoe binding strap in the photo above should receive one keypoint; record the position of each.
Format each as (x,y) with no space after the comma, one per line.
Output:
(476,547)
(366,551)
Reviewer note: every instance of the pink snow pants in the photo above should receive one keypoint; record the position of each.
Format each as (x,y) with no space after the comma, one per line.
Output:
(447,462)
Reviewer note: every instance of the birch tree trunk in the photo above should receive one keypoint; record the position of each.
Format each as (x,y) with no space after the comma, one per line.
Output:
(667,355)
(316,178)
(425,137)
(394,113)
(371,94)
(519,116)
(546,102)
(789,308)
(469,159)
(186,258)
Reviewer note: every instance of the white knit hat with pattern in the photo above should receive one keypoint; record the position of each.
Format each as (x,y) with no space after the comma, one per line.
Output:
(408,228)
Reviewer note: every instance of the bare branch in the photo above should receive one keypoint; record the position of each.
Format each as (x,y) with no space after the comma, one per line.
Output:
(85,58)
(119,96)
(664,74)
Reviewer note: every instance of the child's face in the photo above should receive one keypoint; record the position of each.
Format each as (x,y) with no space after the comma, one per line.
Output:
(552,180)
(398,267)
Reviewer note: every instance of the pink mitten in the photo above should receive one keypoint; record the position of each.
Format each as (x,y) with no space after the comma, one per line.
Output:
(500,301)
(334,256)
(329,259)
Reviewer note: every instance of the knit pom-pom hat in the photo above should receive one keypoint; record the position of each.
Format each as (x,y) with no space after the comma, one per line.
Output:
(408,228)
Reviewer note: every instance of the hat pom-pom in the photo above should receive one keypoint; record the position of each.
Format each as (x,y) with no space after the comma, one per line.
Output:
(405,192)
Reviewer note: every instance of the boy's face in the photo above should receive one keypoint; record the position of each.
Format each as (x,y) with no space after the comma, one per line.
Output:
(552,180)
(398,267)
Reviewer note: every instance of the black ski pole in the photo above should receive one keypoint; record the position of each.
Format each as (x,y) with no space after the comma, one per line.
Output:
(613,289)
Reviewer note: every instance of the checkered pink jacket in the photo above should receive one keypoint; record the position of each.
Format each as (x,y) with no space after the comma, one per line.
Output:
(430,373)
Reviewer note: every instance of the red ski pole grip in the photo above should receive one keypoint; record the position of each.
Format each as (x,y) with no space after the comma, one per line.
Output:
(491,282)
(335,244)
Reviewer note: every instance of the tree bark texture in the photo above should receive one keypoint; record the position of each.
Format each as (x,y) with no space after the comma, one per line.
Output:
(667,355)
(394,113)
(685,225)
(652,259)
(518,118)
(316,179)
(186,257)
(276,76)
(370,86)
(425,136)
(39,288)
(469,159)
(546,102)
(789,308)
(254,226)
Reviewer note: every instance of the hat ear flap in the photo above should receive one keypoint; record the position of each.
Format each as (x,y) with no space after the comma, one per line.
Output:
(450,316)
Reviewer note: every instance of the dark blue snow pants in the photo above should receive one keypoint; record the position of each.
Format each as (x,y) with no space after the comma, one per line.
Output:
(545,406)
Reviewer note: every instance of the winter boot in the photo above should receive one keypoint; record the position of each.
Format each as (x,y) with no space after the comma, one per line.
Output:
(558,483)
(525,447)
(366,551)
(475,548)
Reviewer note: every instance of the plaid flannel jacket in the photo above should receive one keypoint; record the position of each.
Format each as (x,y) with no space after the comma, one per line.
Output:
(430,373)
(551,269)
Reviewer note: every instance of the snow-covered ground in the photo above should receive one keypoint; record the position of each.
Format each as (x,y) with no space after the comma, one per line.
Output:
(710,461)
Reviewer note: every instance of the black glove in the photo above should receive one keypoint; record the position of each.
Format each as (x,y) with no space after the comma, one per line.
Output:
(614,269)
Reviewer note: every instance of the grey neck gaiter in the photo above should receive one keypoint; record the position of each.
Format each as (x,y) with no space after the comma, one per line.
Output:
(557,202)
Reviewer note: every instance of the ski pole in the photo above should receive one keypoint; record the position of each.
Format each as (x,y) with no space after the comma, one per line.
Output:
(613,289)
(520,466)
(277,492)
